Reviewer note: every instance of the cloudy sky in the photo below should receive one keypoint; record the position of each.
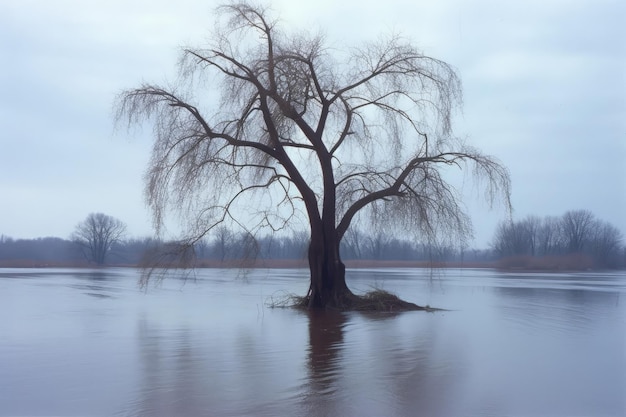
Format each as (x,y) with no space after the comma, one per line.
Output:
(544,91)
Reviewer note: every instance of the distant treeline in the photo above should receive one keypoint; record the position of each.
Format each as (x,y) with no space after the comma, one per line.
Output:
(227,247)
(575,240)
(38,252)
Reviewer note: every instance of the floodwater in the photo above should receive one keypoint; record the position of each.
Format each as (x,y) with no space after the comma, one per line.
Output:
(89,342)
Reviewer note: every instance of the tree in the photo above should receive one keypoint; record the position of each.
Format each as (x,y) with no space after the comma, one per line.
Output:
(577,233)
(302,132)
(514,238)
(519,238)
(97,234)
(577,226)
(549,236)
(605,243)
(223,242)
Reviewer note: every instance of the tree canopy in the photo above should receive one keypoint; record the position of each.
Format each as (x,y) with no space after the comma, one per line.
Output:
(97,234)
(264,129)
(576,232)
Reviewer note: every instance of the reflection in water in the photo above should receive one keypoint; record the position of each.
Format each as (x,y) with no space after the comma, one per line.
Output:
(380,364)
(98,275)
(556,309)
(97,283)
(522,345)
(326,331)
(325,342)
(168,384)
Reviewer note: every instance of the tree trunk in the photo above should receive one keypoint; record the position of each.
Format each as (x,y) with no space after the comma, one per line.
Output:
(328,287)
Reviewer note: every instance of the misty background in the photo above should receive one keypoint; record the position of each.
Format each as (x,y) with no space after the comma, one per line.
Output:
(544,85)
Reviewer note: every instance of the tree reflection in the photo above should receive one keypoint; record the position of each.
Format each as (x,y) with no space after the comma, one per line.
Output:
(396,366)
(95,283)
(352,365)
(170,382)
(326,339)
(565,306)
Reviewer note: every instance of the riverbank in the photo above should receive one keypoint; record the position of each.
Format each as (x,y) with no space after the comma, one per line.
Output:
(512,264)
(256,263)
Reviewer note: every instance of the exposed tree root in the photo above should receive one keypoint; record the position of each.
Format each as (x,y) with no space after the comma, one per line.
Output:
(375,300)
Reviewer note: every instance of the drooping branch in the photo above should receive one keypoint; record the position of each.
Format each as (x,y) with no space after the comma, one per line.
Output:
(404,188)
(264,123)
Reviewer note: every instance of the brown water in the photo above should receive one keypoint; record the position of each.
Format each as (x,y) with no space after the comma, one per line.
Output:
(83,342)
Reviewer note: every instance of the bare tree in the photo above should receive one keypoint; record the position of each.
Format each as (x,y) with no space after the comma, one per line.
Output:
(576,232)
(223,242)
(550,236)
(605,243)
(306,133)
(513,238)
(532,226)
(97,234)
(376,243)
(353,243)
(577,227)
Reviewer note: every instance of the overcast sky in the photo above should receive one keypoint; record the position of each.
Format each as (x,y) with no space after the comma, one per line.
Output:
(544,91)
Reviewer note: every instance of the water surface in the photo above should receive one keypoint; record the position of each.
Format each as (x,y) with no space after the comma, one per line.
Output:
(89,342)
